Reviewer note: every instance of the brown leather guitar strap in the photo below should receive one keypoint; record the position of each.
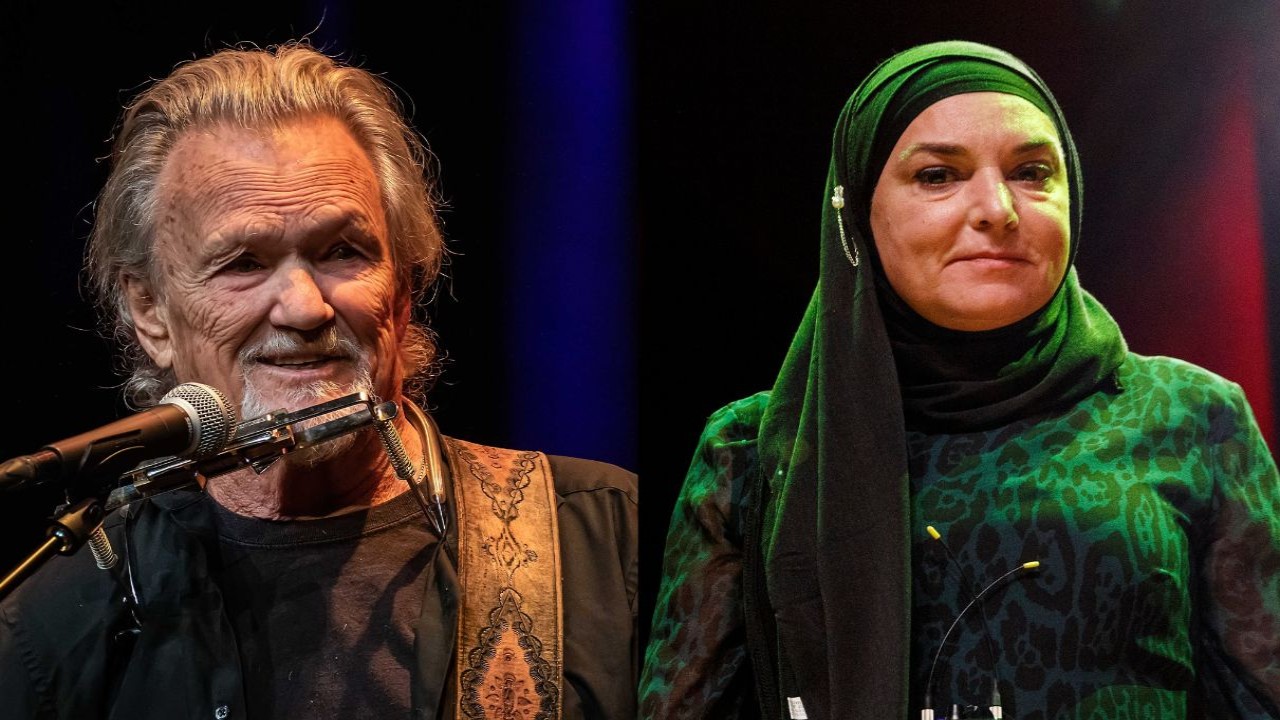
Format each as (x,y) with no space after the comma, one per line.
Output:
(510,654)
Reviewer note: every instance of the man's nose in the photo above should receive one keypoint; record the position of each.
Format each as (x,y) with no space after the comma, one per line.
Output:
(300,303)
(993,203)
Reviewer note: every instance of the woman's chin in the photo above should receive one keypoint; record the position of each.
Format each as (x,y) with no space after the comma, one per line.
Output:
(989,311)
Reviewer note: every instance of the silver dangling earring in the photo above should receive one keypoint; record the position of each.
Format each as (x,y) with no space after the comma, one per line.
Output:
(837,202)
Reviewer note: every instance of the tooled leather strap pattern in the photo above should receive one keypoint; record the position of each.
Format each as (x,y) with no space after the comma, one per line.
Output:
(510,630)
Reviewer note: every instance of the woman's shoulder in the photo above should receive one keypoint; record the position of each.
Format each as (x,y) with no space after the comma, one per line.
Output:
(726,456)
(737,422)
(1186,382)
(1190,397)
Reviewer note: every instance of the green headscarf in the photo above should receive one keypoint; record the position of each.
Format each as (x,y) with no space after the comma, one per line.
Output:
(863,367)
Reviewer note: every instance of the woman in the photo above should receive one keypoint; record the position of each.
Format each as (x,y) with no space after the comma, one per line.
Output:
(950,373)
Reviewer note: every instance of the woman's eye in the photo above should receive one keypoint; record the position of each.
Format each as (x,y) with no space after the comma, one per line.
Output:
(935,176)
(1033,173)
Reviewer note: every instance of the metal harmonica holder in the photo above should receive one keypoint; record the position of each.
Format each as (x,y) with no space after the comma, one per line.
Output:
(257,444)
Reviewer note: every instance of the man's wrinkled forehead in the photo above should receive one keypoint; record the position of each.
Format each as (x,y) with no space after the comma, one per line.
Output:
(236,183)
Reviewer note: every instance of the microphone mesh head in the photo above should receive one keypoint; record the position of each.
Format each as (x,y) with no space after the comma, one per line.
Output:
(215,420)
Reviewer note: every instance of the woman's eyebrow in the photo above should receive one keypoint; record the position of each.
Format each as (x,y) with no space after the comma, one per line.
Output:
(945,149)
(1035,144)
(954,150)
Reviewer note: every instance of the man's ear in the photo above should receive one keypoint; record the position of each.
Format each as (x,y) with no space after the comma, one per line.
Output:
(150,321)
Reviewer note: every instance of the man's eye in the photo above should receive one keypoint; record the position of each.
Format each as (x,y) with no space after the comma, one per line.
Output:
(243,264)
(935,176)
(343,251)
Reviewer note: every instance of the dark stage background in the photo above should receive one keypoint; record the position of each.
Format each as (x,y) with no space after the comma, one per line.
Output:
(635,192)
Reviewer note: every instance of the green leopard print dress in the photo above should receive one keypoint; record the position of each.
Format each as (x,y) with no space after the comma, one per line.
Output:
(1154,512)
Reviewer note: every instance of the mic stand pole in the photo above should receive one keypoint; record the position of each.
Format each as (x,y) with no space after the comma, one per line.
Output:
(67,533)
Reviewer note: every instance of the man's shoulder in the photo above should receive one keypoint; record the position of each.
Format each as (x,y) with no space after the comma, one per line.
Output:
(572,475)
(577,475)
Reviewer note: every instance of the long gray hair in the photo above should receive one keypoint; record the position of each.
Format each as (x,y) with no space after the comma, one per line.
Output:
(263,88)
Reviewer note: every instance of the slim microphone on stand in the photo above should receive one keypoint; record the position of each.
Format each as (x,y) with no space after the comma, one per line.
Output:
(927,713)
(971,589)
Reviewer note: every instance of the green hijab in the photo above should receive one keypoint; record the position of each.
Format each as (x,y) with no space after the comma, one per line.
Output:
(862,369)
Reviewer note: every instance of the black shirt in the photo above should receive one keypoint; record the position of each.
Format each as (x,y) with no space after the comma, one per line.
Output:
(237,627)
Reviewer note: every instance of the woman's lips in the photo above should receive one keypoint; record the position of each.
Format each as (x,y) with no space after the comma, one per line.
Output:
(991,260)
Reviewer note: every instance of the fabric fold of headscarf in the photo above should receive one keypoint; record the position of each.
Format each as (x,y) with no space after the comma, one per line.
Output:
(862,369)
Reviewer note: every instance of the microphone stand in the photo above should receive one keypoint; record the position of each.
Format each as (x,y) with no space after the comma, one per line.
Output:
(257,443)
(67,534)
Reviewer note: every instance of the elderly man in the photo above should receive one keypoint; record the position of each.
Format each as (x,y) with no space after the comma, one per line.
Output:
(266,230)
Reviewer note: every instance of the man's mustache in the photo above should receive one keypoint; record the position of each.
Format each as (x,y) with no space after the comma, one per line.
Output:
(327,343)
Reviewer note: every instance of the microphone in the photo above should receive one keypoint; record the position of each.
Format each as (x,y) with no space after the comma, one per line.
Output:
(191,419)
(975,599)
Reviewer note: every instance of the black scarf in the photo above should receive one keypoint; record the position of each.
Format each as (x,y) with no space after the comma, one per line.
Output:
(834,536)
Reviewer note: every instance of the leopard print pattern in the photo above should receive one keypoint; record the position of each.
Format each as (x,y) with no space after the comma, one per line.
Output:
(696,662)
(1154,513)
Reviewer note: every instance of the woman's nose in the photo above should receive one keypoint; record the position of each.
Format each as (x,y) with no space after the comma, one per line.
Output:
(300,303)
(993,204)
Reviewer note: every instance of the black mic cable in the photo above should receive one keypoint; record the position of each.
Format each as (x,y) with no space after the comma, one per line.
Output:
(975,599)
